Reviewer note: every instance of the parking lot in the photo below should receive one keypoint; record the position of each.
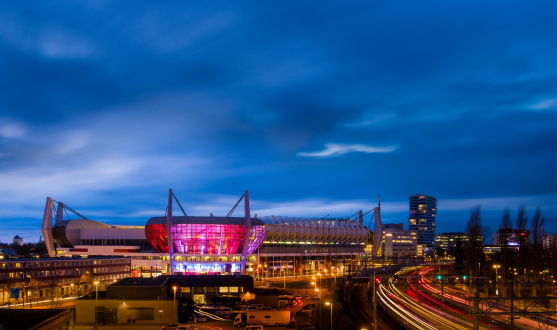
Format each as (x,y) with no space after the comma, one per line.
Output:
(228,325)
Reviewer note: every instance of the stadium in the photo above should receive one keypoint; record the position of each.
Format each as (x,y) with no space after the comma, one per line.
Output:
(258,246)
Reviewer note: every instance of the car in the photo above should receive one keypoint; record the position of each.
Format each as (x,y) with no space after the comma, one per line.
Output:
(253,327)
(201,318)
(258,306)
(224,311)
(297,296)
(218,305)
(171,326)
(316,297)
(210,305)
(311,305)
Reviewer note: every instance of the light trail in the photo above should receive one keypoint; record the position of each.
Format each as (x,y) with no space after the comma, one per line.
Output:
(524,322)
(214,317)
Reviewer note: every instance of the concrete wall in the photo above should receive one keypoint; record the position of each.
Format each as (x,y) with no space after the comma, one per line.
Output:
(84,310)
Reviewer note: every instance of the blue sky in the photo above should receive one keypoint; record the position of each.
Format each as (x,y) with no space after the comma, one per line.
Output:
(314,107)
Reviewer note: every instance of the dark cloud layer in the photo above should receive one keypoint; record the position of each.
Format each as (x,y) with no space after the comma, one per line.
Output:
(316,108)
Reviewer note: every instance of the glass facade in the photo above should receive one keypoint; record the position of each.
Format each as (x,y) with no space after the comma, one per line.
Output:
(203,238)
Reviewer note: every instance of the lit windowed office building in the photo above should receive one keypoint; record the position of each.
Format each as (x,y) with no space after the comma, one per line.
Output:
(37,279)
(423,210)
(274,246)
(398,242)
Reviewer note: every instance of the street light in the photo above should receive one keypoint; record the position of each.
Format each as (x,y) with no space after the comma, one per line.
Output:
(496,278)
(174,316)
(30,299)
(330,303)
(160,317)
(96,300)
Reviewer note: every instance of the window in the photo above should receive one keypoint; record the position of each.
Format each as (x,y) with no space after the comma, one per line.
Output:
(198,289)
(233,289)
(210,289)
(186,289)
(223,289)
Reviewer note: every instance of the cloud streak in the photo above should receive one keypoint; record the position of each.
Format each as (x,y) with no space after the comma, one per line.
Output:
(336,149)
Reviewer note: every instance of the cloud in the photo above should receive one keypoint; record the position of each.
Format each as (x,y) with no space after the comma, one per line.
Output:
(545,105)
(335,150)
(12,131)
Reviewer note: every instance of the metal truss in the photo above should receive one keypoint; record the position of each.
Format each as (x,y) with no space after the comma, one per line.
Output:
(315,231)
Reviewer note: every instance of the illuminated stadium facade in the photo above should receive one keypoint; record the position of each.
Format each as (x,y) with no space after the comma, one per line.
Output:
(261,247)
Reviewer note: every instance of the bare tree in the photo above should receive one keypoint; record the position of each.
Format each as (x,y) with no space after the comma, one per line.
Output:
(506,220)
(537,230)
(521,220)
(474,231)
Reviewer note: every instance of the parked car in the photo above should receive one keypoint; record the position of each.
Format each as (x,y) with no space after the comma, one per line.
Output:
(210,305)
(171,326)
(201,318)
(316,297)
(218,305)
(297,296)
(224,311)
(256,306)
(311,305)
(306,297)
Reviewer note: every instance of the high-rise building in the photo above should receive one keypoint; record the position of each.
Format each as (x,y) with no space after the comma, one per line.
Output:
(423,209)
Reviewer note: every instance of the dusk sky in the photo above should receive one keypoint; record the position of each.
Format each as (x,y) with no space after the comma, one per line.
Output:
(315,107)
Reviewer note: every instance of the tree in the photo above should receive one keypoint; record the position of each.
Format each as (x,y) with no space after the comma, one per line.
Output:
(506,220)
(473,249)
(440,252)
(24,250)
(521,220)
(537,231)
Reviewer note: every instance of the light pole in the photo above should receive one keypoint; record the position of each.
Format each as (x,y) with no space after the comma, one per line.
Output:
(160,317)
(497,278)
(96,300)
(330,303)
(284,278)
(30,299)
(174,318)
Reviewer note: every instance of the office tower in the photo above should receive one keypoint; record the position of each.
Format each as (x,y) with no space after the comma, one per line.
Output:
(423,209)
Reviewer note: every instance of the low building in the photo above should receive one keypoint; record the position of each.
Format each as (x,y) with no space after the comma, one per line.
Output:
(448,241)
(48,278)
(491,249)
(151,301)
(17,240)
(511,237)
(398,241)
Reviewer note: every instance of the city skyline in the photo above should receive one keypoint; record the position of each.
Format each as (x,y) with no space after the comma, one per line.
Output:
(315,111)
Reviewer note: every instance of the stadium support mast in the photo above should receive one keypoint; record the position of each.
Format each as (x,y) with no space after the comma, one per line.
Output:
(59,213)
(46,228)
(377,230)
(169,231)
(247,226)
